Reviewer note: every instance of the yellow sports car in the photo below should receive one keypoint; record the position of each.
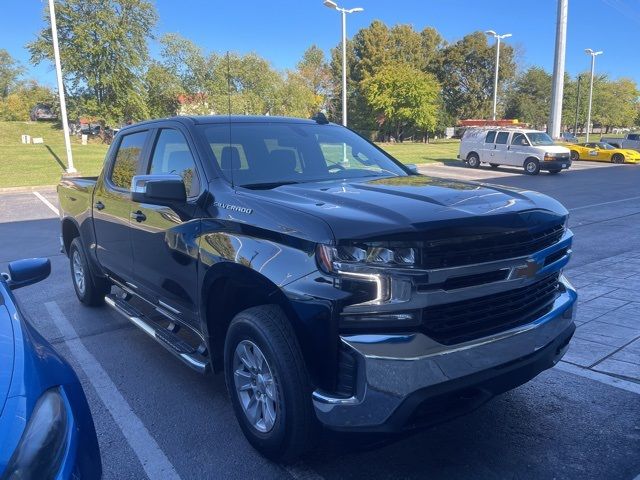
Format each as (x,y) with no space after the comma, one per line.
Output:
(603,152)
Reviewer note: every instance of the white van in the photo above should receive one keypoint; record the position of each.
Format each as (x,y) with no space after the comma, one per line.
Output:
(531,149)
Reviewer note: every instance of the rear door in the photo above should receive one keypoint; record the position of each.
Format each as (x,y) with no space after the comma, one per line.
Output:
(164,238)
(501,148)
(112,205)
(487,147)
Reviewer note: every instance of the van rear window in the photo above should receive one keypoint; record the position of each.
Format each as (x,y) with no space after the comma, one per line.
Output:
(491,136)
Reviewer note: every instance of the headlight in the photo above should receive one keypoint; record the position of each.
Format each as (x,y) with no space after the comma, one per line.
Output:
(549,156)
(364,258)
(43,444)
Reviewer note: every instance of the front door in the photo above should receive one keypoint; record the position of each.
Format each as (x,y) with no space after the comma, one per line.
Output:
(164,238)
(519,150)
(112,206)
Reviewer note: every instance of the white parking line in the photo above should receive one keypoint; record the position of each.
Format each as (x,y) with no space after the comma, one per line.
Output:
(153,460)
(47,203)
(600,377)
(604,203)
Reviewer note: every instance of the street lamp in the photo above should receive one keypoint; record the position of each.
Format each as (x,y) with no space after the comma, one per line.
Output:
(593,54)
(344,11)
(493,34)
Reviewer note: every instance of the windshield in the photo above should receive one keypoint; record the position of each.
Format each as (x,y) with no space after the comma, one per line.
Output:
(606,146)
(265,155)
(539,138)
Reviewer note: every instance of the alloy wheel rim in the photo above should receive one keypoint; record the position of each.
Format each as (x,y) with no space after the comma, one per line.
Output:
(531,167)
(255,386)
(78,272)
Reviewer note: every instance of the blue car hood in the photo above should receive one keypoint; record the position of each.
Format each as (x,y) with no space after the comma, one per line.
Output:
(7,353)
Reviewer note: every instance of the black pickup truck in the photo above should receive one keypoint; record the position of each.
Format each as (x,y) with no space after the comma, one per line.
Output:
(332,285)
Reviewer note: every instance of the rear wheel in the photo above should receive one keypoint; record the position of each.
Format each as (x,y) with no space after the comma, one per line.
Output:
(575,156)
(617,158)
(473,160)
(268,383)
(89,288)
(531,166)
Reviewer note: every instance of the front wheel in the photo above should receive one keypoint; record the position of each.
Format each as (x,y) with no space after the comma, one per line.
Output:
(473,160)
(268,383)
(617,158)
(89,288)
(531,166)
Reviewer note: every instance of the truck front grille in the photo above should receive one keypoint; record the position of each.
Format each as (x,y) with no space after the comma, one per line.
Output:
(470,319)
(487,248)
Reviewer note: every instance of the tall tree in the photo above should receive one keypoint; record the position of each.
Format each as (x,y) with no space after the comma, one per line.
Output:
(404,97)
(467,72)
(10,71)
(315,73)
(103,49)
(530,98)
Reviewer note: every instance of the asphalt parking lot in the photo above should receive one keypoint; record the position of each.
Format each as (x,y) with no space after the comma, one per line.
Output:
(158,419)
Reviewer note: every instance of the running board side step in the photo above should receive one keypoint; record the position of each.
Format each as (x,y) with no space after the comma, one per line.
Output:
(169,340)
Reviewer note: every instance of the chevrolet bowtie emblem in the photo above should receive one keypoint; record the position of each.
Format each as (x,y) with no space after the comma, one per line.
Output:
(528,270)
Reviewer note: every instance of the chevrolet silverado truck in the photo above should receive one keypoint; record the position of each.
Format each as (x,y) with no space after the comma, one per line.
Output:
(332,285)
(630,141)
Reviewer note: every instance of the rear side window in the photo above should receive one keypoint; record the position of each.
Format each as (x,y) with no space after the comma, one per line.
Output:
(502,138)
(128,159)
(172,155)
(491,136)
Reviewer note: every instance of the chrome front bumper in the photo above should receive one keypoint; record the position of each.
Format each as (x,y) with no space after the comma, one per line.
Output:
(396,372)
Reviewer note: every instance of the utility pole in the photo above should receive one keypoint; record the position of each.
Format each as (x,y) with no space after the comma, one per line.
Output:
(63,104)
(555,119)
(575,127)
(593,54)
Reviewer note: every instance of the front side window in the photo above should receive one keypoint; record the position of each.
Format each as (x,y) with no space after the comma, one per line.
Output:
(539,138)
(127,161)
(491,136)
(502,138)
(519,139)
(171,155)
(263,155)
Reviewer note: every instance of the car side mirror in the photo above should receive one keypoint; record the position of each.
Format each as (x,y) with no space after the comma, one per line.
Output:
(412,167)
(27,272)
(158,189)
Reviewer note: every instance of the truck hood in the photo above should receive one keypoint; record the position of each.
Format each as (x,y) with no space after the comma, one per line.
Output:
(405,207)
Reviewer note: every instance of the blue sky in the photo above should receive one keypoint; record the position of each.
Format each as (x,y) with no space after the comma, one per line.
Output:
(280,30)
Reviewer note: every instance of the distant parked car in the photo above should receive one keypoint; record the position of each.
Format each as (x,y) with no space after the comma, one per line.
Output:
(42,111)
(45,424)
(603,152)
(90,128)
(630,141)
(568,137)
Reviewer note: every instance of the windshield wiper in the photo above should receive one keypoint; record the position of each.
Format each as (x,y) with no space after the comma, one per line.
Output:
(267,185)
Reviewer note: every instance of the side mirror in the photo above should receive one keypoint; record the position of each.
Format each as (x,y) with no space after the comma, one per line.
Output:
(158,189)
(412,167)
(27,272)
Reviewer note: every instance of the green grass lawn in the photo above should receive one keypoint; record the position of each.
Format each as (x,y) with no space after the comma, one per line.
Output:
(29,165)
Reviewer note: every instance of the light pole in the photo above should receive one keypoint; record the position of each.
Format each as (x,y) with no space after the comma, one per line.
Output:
(575,127)
(593,54)
(344,12)
(498,38)
(63,104)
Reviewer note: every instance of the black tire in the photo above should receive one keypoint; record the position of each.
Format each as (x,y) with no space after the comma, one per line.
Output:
(575,156)
(494,165)
(473,160)
(531,166)
(617,158)
(295,426)
(94,288)
(555,171)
